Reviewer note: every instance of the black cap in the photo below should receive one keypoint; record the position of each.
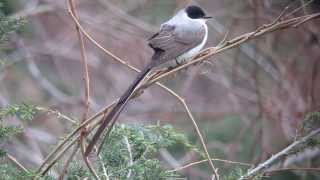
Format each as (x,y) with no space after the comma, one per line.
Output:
(195,12)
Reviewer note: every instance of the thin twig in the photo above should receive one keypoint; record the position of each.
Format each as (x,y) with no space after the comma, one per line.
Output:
(215,170)
(299,8)
(317,170)
(84,61)
(261,168)
(86,79)
(75,149)
(87,35)
(59,155)
(105,173)
(17,163)
(205,160)
(56,150)
(284,11)
(182,101)
(67,163)
(130,155)
(102,164)
(56,113)
(88,162)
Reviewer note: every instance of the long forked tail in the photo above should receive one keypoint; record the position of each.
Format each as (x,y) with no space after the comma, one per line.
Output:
(115,112)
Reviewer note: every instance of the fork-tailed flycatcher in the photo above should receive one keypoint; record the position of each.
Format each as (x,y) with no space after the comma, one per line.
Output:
(178,40)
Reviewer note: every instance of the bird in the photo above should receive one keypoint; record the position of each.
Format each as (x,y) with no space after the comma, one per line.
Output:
(178,40)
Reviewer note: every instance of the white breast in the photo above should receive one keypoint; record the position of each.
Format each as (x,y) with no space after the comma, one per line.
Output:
(194,51)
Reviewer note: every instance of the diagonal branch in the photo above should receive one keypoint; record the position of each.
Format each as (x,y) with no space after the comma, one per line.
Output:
(201,161)
(17,163)
(261,168)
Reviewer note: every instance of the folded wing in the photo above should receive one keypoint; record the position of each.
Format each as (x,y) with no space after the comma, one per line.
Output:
(175,41)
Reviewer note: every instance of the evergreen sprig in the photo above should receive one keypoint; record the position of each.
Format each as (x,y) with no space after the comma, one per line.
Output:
(8,26)
(141,162)
(145,142)
(23,111)
(311,121)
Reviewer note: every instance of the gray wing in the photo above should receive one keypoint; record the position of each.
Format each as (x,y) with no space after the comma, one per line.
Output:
(174,41)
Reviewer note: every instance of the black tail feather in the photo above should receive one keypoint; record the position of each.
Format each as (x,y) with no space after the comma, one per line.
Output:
(115,112)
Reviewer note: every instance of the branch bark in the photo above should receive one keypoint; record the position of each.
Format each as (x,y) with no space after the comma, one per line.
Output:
(261,168)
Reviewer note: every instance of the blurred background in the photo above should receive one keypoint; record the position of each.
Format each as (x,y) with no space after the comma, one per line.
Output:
(249,101)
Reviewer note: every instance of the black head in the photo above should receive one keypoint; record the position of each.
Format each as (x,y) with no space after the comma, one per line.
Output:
(195,12)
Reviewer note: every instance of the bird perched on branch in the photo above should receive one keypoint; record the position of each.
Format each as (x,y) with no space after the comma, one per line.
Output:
(179,39)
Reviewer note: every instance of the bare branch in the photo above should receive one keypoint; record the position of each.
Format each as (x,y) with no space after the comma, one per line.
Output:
(293,169)
(261,168)
(67,163)
(17,163)
(205,160)
(56,113)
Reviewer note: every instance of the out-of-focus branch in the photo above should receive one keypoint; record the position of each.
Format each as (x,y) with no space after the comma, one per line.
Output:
(17,163)
(131,19)
(297,158)
(293,169)
(261,168)
(36,10)
(41,79)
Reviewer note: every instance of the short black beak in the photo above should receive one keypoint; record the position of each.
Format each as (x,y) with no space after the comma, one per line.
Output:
(207,17)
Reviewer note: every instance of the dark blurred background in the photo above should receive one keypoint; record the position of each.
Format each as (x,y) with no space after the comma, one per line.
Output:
(248,101)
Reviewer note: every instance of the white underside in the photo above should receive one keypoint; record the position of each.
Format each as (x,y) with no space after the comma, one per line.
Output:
(191,53)
(187,56)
